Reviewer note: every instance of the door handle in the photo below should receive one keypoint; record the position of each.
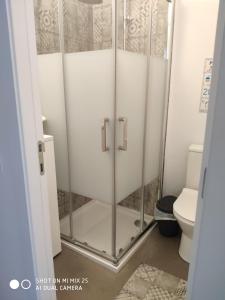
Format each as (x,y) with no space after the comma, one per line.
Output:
(124,145)
(104,135)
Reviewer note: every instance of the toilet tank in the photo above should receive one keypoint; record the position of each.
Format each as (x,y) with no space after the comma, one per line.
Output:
(194,166)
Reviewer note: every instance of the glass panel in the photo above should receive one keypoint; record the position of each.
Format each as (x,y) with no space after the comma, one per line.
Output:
(77,66)
(155,108)
(131,71)
(89,88)
(52,98)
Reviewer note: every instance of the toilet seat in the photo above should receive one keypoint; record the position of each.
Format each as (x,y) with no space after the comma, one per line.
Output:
(186,204)
(185,221)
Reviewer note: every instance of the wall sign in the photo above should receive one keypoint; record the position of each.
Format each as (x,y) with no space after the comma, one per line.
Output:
(206,83)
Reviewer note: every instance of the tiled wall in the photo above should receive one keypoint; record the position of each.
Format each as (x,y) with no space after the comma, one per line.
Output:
(64,202)
(88,27)
(133,201)
(159,26)
(47,26)
(137,22)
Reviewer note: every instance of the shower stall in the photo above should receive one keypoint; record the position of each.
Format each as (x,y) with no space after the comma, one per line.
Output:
(103,76)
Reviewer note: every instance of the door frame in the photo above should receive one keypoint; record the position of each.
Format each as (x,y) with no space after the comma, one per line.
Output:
(207,270)
(21,33)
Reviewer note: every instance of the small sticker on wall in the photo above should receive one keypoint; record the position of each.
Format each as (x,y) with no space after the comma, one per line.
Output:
(206,83)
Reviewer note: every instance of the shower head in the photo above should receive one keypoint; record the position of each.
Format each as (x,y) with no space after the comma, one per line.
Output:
(91,2)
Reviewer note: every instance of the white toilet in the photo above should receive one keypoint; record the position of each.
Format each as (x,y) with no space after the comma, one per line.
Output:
(184,207)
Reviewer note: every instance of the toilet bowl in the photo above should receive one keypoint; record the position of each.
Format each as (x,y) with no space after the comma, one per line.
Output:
(184,210)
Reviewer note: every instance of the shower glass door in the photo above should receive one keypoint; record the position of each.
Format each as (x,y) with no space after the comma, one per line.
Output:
(103,74)
(47,17)
(89,86)
(141,76)
(131,84)
(159,60)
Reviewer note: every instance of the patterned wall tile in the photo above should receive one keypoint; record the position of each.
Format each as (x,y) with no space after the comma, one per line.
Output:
(137,25)
(64,202)
(133,201)
(102,25)
(88,27)
(78,29)
(159,27)
(46,26)
(151,192)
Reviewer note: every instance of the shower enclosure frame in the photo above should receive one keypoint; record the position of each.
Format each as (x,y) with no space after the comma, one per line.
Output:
(114,258)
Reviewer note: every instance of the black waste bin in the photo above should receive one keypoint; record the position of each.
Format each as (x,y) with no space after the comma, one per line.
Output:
(167,223)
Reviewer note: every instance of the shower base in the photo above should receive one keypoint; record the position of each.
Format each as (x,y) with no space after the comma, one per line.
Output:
(106,263)
(92,226)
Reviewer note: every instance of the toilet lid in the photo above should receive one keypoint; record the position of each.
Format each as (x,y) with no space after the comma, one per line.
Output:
(186,204)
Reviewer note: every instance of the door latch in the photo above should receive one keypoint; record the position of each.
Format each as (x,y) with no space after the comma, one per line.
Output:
(41,150)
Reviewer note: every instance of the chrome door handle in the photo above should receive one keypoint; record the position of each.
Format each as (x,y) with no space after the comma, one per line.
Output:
(104,136)
(124,146)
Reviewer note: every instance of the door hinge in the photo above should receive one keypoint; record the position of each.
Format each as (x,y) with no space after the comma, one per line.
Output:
(41,150)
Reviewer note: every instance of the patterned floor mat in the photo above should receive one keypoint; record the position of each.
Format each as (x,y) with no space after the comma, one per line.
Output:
(149,283)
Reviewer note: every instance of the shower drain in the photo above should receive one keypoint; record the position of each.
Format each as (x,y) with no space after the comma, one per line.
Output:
(137,223)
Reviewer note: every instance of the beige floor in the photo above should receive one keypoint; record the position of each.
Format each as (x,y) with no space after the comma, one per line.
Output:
(157,251)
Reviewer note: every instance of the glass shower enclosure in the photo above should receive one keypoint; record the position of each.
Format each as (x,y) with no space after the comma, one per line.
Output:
(103,69)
